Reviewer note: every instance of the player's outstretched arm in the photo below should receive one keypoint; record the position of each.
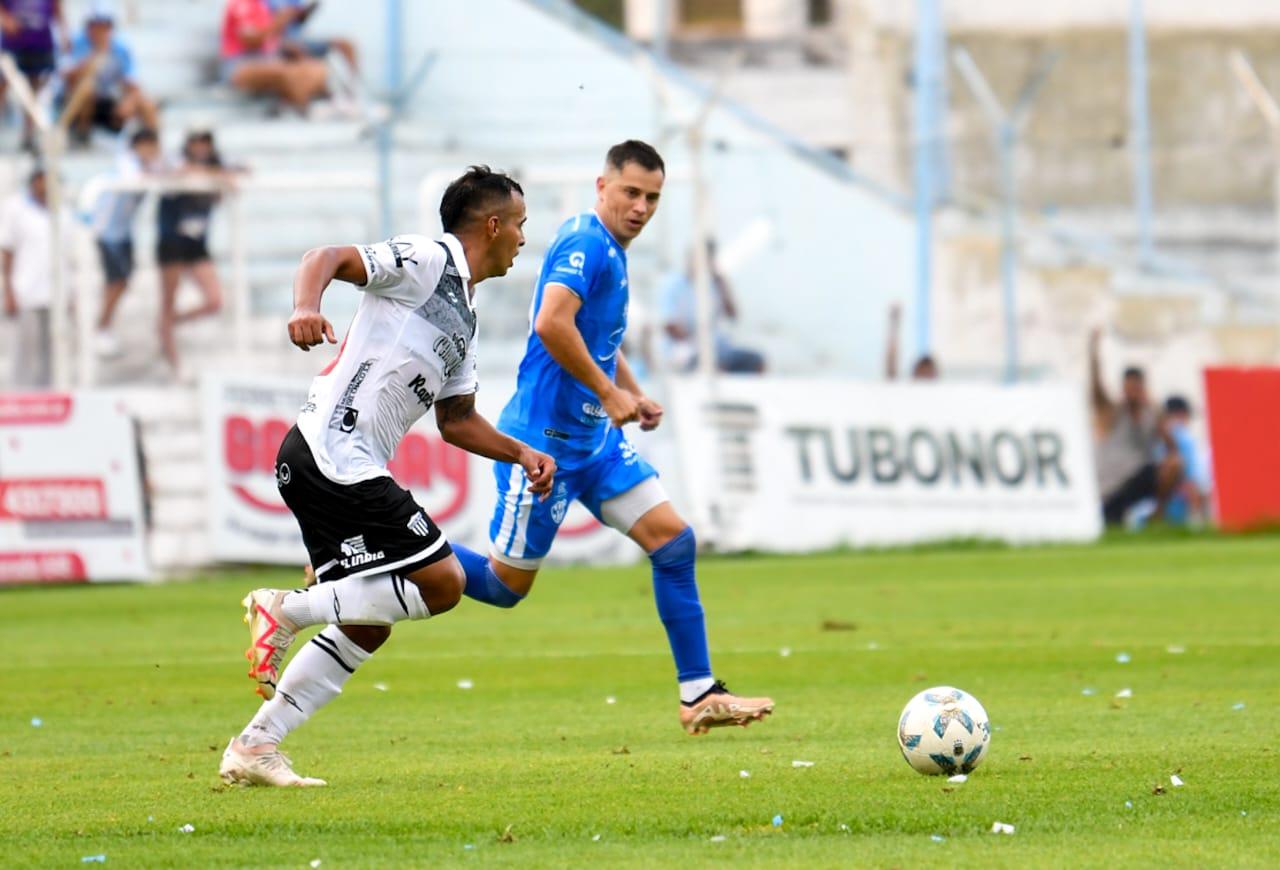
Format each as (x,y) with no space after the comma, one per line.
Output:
(307,326)
(461,425)
(556,327)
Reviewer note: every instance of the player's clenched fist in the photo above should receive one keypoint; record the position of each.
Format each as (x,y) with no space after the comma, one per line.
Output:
(307,328)
(541,471)
(621,406)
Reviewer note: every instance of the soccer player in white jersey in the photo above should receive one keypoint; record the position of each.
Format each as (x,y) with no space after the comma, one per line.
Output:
(378,558)
(573,394)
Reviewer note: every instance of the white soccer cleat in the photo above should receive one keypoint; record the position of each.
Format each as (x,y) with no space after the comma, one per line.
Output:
(270,637)
(242,766)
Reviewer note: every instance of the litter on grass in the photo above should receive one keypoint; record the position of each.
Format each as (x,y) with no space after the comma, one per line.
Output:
(94,859)
(188,828)
(719,838)
(1001,828)
(785,651)
(1122,658)
(777,820)
(1175,649)
(802,763)
(1238,705)
(1125,693)
(465,684)
(937,838)
(381,687)
(745,774)
(1176,781)
(844,827)
(469,846)
(36,721)
(595,838)
(1128,805)
(959,777)
(1088,690)
(611,700)
(315,862)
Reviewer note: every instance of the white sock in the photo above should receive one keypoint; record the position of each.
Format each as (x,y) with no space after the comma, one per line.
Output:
(313,678)
(380,599)
(691,690)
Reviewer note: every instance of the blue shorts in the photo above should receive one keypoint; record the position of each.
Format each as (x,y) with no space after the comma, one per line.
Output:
(523,528)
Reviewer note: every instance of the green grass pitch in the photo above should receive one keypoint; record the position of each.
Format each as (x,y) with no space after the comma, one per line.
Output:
(137,690)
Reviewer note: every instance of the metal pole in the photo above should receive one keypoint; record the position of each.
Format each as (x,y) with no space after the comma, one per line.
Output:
(1270,111)
(1008,141)
(61,350)
(928,82)
(1140,130)
(394,59)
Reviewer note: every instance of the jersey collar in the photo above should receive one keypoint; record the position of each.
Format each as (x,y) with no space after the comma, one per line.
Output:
(460,263)
(596,217)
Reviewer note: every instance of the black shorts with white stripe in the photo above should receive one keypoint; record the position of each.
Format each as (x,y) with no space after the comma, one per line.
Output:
(371,527)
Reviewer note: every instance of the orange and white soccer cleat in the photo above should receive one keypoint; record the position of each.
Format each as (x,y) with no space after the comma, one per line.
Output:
(718,707)
(270,636)
(261,766)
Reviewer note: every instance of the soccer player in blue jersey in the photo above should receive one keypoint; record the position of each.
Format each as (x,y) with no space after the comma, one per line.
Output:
(574,393)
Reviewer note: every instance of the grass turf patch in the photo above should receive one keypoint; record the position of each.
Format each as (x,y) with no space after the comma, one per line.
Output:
(137,689)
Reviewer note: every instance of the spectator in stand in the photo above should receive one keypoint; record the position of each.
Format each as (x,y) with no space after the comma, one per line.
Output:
(296,43)
(923,369)
(183,244)
(26,33)
(25,250)
(113,228)
(252,60)
(1189,503)
(1137,457)
(679,314)
(117,98)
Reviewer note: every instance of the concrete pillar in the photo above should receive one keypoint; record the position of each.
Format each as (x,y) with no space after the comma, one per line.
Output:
(640,18)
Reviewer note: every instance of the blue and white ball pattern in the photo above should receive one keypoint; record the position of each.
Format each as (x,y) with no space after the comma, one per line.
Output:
(944,731)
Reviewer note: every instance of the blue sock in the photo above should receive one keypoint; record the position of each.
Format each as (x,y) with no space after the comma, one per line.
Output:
(675,589)
(482,583)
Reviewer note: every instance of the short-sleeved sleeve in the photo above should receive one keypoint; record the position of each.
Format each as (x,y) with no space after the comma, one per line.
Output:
(573,261)
(405,268)
(464,381)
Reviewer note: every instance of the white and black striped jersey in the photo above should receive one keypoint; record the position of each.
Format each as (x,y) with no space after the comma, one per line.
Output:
(411,344)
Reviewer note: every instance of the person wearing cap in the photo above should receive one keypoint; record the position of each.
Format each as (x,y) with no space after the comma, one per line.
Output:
(26,33)
(117,99)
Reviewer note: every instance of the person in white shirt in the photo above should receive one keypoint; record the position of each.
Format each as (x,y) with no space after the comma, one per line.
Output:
(378,557)
(25,281)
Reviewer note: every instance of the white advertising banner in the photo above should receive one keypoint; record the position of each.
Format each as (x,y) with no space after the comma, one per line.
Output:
(789,465)
(247,416)
(70,490)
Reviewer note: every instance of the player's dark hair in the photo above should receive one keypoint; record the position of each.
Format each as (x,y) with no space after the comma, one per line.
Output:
(475,194)
(1177,405)
(1134,372)
(634,151)
(146,134)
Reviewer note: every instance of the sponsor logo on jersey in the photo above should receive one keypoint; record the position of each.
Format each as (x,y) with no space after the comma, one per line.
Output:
(344,416)
(593,410)
(419,387)
(556,433)
(452,350)
(401,251)
(355,553)
(283,475)
(577,261)
(419,525)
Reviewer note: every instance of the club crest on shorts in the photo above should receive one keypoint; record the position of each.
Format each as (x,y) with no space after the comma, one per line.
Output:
(558,511)
(418,524)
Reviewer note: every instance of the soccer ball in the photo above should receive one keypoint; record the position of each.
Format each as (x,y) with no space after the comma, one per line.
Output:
(944,730)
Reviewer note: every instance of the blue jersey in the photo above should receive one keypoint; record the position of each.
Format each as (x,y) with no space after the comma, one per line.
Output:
(551,410)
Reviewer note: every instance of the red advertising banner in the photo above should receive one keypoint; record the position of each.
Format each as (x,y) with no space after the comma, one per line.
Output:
(1244,432)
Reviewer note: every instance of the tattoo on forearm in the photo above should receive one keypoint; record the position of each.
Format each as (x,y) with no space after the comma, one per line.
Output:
(455,409)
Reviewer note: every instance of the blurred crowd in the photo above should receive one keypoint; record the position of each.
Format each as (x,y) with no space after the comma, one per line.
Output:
(85,73)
